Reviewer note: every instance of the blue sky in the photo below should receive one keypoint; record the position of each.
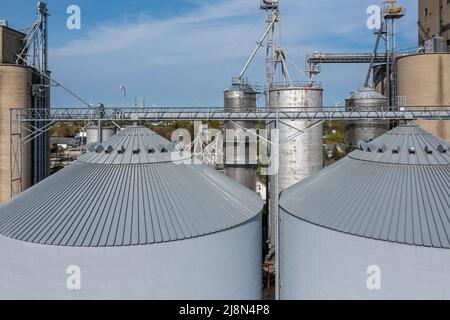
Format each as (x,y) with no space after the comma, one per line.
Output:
(184,52)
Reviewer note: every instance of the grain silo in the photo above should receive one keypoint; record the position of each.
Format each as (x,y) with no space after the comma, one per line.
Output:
(15,92)
(240,164)
(374,225)
(130,223)
(423,80)
(365,99)
(300,149)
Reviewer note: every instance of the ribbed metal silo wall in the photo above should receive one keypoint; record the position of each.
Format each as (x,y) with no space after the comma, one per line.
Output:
(319,263)
(15,92)
(424,80)
(240,168)
(301,156)
(223,265)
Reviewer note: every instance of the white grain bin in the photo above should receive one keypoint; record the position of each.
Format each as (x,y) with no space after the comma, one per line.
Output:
(374,225)
(301,142)
(124,221)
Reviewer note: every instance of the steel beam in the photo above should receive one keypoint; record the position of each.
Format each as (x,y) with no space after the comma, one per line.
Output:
(218,114)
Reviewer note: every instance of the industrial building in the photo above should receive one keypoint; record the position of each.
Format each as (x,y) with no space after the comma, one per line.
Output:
(386,205)
(424,81)
(434,21)
(138,225)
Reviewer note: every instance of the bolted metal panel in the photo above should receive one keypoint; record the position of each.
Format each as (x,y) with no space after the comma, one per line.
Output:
(302,155)
(242,166)
(15,92)
(366,99)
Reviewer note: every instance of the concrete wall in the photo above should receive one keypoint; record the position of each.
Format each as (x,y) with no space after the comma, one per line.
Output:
(430,21)
(424,80)
(11,43)
(224,265)
(319,263)
(15,92)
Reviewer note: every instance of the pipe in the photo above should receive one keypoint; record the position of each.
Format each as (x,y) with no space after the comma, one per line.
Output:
(372,61)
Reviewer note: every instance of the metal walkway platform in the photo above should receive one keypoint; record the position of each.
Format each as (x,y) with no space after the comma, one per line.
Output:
(218,114)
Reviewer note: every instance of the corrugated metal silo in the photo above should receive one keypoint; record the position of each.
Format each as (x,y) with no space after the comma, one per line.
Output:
(92,134)
(302,155)
(132,224)
(366,99)
(240,97)
(374,225)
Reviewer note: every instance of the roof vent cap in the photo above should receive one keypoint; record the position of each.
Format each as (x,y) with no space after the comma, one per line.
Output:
(162,149)
(362,144)
(442,149)
(98,148)
(121,150)
(428,150)
(109,149)
(382,149)
(412,150)
(370,147)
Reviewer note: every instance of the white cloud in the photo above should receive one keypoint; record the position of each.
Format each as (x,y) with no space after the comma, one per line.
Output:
(189,59)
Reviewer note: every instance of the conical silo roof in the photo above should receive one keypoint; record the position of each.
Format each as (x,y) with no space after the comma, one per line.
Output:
(367,93)
(394,188)
(128,191)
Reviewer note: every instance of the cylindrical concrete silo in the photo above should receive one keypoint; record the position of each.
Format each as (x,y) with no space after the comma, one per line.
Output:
(92,134)
(302,155)
(424,81)
(131,220)
(366,99)
(15,92)
(240,164)
(374,225)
